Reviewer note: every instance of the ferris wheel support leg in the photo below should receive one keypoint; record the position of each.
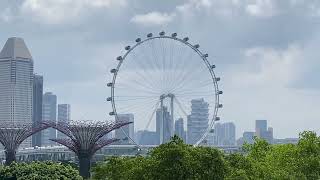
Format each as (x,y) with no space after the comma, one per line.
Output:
(161,120)
(172,117)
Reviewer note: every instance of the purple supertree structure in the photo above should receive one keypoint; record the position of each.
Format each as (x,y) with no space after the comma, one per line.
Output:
(12,135)
(85,138)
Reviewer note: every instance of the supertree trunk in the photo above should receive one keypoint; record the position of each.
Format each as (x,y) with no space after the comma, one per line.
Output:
(10,156)
(84,165)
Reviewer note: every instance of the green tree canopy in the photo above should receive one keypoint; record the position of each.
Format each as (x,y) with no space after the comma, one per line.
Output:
(39,171)
(173,160)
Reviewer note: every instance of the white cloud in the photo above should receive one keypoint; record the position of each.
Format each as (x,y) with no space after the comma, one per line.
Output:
(153,18)
(194,4)
(6,15)
(262,8)
(270,66)
(60,11)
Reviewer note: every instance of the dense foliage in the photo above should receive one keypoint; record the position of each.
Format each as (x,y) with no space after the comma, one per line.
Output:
(39,171)
(173,160)
(176,160)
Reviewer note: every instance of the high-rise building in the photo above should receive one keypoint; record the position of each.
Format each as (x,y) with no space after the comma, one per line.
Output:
(261,126)
(37,107)
(49,113)
(225,134)
(125,131)
(64,114)
(166,124)
(262,130)
(16,84)
(197,122)
(247,137)
(145,137)
(179,129)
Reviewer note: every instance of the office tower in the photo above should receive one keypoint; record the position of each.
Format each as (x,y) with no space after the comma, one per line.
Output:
(63,116)
(248,137)
(262,130)
(146,137)
(230,134)
(225,134)
(16,84)
(49,113)
(179,129)
(127,130)
(261,126)
(37,107)
(197,121)
(166,124)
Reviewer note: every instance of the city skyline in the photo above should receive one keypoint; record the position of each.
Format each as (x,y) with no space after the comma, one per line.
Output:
(268,68)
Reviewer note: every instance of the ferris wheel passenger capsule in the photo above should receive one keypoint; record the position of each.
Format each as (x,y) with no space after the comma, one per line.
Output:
(213,66)
(149,35)
(220,92)
(217,78)
(186,39)
(196,46)
(174,35)
(111,113)
(162,33)
(119,58)
(127,48)
(109,98)
(220,106)
(113,70)
(217,119)
(206,55)
(109,84)
(138,40)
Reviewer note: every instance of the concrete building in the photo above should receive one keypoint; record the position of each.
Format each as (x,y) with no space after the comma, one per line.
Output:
(49,113)
(16,84)
(179,129)
(247,137)
(197,121)
(64,115)
(145,137)
(125,131)
(166,124)
(262,131)
(37,107)
(225,134)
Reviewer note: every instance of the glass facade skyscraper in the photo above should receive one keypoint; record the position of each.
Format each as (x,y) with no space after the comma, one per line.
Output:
(64,114)
(37,107)
(49,113)
(16,84)
(197,122)
(125,130)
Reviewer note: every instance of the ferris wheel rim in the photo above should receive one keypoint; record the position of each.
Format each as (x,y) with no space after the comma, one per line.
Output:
(195,48)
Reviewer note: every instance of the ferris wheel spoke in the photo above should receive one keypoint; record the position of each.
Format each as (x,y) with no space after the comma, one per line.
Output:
(158,70)
(155,107)
(141,87)
(181,107)
(146,77)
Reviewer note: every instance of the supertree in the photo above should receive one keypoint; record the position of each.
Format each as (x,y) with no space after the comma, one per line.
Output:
(85,138)
(12,135)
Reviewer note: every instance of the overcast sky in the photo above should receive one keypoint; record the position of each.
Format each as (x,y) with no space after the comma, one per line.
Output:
(266,51)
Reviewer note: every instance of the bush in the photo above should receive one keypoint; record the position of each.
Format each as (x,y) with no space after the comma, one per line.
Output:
(39,171)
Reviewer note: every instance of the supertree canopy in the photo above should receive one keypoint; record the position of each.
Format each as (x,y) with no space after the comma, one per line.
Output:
(85,138)
(12,135)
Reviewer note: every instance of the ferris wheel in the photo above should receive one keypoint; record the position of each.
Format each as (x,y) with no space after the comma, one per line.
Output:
(161,80)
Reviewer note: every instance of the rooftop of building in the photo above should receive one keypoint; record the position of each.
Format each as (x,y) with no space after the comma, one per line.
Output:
(14,48)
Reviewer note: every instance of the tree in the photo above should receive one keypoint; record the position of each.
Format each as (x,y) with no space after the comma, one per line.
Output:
(173,160)
(39,171)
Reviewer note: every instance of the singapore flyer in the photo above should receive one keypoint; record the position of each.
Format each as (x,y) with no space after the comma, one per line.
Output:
(167,86)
